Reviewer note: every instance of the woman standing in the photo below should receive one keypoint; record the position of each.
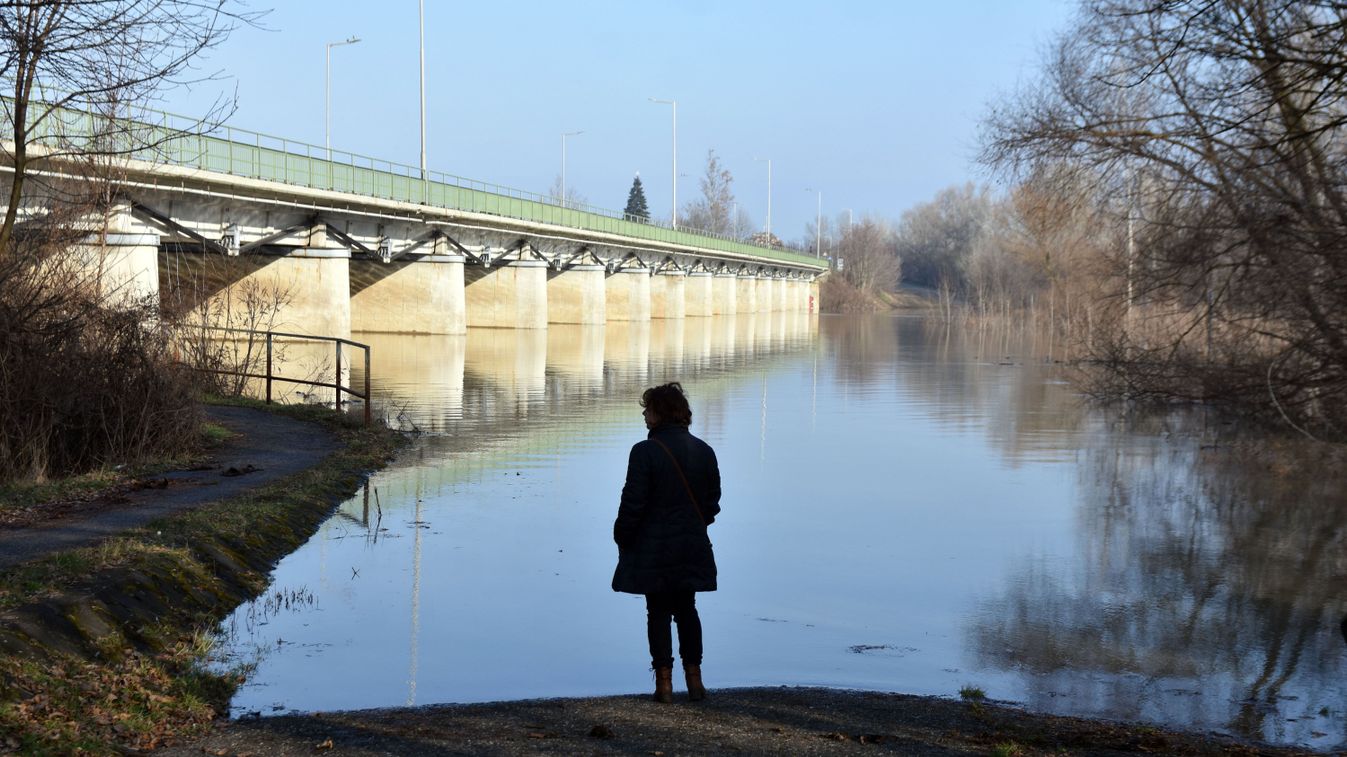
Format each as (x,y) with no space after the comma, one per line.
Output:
(671,495)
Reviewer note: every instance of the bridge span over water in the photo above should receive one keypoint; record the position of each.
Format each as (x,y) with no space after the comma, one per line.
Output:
(357,243)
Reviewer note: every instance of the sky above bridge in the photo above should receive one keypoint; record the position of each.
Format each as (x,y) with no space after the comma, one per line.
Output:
(876,103)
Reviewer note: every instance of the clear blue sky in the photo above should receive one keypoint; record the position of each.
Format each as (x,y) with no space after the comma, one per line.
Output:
(875,102)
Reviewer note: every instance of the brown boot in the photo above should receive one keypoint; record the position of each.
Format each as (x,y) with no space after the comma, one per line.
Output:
(693,674)
(664,685)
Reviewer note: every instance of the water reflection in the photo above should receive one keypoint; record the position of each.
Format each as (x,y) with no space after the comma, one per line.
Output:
(1207,590)
(908,506)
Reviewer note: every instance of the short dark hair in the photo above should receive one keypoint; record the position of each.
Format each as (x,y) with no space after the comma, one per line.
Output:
(669,403)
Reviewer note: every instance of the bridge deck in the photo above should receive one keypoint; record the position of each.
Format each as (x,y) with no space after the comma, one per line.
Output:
(239,152)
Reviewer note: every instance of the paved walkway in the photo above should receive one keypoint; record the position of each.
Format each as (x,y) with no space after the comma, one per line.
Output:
(266,445)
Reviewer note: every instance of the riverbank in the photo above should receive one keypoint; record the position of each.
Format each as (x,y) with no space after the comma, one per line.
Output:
(99,644)
(793,721)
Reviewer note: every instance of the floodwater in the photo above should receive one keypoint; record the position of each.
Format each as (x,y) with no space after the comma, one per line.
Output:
(907,507)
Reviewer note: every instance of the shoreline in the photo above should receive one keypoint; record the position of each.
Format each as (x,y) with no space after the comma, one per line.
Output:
(759,720)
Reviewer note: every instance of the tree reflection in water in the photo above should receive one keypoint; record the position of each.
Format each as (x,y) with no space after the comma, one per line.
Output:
(1207,592)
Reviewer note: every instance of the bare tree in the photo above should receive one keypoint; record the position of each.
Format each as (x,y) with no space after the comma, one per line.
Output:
(935,238)
(871,258)
(573,197)
(1217,127)
(712,212)
(89,375)
(96,60)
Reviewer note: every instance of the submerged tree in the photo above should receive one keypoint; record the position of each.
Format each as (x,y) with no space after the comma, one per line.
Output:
(637,209)
(1217,129)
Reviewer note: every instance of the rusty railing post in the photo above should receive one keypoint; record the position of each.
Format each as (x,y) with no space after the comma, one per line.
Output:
(367,392)
(268,367)
(336,378)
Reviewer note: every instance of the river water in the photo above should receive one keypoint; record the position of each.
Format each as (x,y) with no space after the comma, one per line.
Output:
(907,507)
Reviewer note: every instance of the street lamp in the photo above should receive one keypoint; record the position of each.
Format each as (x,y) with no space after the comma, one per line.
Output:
(327,91)
(769,199)
(422,30)
(818,224)
(674,215)
(565,134)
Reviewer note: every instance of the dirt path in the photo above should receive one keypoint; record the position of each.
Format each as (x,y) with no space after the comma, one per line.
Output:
(266,447)
(782,720)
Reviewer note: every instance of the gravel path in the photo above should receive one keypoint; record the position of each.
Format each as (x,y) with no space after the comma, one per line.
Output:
(266,447)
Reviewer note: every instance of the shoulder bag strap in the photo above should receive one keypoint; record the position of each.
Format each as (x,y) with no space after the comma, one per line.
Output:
(683,478)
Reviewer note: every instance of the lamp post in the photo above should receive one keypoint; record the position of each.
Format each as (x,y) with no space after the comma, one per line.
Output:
(327,91)
(565,134)
(674,214)
(818,224)
(422,31)
(769,199)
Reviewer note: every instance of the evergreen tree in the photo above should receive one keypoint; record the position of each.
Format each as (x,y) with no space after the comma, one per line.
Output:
(637,210)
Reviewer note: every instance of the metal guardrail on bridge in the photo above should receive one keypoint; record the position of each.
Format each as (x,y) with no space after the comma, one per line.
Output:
(185,142)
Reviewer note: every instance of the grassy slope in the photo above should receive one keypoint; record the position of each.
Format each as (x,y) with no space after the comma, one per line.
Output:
(98,646)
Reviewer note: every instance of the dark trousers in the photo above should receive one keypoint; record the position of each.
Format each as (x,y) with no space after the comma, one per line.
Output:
(681,607)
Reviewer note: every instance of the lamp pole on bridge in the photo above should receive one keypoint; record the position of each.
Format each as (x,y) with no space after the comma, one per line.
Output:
(422,29)
(818,224)
(327,91)
(674,215)
(565,134)
(769,199)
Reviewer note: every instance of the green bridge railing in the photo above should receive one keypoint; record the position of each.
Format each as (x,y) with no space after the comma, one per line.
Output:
(158,136)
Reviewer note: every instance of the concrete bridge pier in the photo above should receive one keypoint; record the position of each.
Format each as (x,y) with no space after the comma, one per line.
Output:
(698,294)
(577,295)
(746,294)
(792,295)
(668,294)
(122,261)
(312,286)
(813,296)
(724,294)
(508,295)
(423,295)
(628,293)
(766,298)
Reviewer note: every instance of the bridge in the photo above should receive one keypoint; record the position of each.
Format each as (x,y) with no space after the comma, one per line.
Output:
(347,242)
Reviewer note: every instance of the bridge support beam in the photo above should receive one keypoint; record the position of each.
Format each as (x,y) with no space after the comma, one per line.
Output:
(420,296)
(724,294)
(698,294)
(577,295)
(667,294)
(628,293)
(746,296)
(814,304)
(507,296)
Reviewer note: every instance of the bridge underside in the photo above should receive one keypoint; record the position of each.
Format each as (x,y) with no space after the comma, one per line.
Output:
(258,263)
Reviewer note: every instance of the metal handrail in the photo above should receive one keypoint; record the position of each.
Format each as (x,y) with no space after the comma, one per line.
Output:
(270,375)
(193,143)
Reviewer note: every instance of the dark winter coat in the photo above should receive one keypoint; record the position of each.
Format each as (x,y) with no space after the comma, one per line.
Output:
(661,541)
